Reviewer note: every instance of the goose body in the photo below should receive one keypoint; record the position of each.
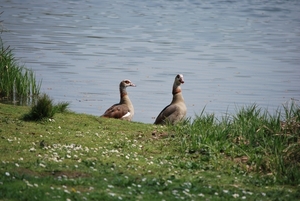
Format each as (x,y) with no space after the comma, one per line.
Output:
(124,109)
(176,110)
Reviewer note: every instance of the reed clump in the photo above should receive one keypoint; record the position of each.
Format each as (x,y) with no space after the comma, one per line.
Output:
(45,108)
(17,83)
(252,139)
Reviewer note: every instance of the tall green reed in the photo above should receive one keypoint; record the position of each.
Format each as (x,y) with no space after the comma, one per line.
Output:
(17,83)
(259,141)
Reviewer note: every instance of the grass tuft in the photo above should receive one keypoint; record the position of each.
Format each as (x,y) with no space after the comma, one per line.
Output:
(253,139)
(45,108)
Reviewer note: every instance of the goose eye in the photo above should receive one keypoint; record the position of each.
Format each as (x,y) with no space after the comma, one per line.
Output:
(178,76)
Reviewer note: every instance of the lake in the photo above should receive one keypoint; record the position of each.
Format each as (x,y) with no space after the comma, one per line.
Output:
(231,53)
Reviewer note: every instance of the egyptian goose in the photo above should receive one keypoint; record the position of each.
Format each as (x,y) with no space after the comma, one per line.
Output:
(123,110)
(176,111)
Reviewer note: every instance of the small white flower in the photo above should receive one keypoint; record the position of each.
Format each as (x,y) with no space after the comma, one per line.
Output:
(17,164)
(225,191)
(160,193)
(201,195)
(235,195)
(29,184)
(263,194)
(42,165)
(66,191)
(32,149)
(7,174)
(110,186)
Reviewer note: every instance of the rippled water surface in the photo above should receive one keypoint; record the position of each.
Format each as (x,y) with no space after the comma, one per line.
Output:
(231,53)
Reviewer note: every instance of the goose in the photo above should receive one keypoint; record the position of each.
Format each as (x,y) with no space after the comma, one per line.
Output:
(124,109)
(176,110)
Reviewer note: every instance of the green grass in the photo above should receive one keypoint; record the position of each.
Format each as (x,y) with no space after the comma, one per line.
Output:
(255,140)
(247,156)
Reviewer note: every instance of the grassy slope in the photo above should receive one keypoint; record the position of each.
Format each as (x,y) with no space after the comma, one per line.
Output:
(83,157)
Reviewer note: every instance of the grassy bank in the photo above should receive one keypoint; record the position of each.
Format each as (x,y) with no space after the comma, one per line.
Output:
(247,156)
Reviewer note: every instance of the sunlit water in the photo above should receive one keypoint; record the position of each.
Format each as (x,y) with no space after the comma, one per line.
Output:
(231,53)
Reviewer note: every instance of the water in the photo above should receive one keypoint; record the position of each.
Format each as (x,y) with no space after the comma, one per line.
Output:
(231,53)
